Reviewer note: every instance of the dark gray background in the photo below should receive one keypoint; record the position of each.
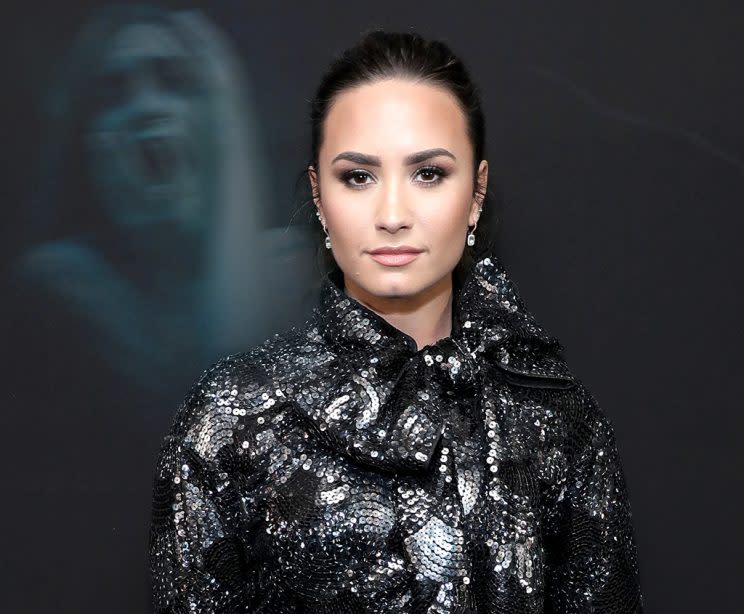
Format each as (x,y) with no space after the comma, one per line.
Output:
(616,140)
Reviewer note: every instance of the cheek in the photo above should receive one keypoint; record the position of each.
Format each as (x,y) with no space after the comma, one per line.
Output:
(445,213)
(348,214)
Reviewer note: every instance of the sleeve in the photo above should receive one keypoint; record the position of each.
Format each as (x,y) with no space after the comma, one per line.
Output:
(201,553)
(591,557)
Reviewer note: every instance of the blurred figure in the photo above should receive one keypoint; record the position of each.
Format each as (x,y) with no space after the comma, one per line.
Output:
(146,255)
(152,194)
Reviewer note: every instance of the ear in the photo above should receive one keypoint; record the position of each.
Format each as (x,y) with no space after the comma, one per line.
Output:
(314,185)
(479,194)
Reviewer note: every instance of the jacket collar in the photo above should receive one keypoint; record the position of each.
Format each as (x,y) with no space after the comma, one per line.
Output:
(378,399)
(487,314)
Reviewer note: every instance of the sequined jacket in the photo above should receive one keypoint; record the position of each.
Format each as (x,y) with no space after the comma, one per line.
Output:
(338,469)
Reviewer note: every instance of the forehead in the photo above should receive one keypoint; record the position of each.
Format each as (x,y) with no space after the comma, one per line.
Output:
(395,116)
(144,40)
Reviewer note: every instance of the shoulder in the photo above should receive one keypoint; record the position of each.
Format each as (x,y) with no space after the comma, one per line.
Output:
(594,419)
(589,428)
(50,260)
(240,405)
(292,349)
(232,401)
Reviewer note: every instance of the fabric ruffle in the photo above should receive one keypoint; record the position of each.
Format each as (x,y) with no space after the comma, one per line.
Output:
(386,407)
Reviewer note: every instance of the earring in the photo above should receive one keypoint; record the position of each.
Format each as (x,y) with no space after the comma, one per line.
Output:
(328,238)
(471,234)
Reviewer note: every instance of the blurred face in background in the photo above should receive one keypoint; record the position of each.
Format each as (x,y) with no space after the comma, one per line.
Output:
(396,168)
(145,137)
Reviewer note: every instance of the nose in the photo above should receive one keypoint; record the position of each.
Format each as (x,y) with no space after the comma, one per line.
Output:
(392,212)
(150,97)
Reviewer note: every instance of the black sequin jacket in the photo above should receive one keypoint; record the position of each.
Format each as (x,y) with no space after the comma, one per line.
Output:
(338,469)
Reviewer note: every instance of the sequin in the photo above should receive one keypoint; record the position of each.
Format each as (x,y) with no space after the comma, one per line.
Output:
(338,468)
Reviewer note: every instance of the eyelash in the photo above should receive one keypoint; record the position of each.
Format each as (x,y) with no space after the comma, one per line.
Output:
(436,170)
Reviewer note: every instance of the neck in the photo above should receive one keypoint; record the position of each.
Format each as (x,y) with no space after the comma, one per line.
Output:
(425,317)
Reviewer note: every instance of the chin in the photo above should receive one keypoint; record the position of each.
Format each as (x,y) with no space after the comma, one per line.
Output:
(397,284)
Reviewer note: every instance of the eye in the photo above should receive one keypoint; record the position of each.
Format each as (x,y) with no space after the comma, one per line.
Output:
(176,74)
(110,87)
(356,179)
(430,174)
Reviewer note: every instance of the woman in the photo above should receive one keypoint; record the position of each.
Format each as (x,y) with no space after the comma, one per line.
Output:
(420,444)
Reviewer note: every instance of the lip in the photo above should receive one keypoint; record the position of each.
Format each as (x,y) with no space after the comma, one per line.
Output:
(395,256)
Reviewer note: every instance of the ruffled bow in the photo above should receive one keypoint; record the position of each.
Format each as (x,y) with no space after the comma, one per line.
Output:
(384,403)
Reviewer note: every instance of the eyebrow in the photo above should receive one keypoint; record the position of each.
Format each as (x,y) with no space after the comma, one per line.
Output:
(414,158)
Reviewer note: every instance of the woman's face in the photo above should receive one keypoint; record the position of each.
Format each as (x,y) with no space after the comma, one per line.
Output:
(396,168)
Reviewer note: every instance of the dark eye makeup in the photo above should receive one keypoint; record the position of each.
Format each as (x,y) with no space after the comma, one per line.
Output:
(357,178)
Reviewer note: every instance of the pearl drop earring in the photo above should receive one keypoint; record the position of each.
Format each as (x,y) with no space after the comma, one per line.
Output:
(471,234)
(328,238)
